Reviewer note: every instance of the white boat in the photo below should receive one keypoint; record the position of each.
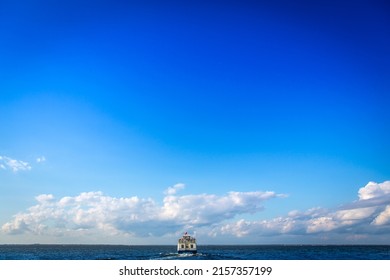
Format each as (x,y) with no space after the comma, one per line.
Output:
(186,244)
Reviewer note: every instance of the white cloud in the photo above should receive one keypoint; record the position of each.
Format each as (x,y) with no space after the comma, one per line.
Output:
(214,215)
(383,218)
(44,198)
(209,209)
(174,189)
(272,227)
(355,214)
(14,164)
(94,211)
(321,224)
(374,190)
(40,159)
(357,220)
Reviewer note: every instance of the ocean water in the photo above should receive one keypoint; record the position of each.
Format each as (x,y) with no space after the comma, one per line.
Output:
(211,252)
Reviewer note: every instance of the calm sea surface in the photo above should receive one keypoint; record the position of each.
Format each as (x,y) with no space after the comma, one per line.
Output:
(250,252)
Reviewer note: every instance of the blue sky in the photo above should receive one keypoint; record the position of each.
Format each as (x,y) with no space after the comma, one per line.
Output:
(239,121)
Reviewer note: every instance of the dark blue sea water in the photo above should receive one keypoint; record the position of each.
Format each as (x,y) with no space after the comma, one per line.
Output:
(250,252)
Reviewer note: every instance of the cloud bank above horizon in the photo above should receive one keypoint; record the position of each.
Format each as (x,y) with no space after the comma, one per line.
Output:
(360,219)
(91,211)
(212,216)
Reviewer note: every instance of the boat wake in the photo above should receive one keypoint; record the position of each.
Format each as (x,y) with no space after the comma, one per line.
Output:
(181,256)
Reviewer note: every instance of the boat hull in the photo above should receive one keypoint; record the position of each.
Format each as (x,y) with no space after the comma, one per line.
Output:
(186,251)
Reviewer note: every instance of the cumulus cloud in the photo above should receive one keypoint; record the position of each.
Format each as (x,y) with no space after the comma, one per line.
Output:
(383,218)
(94,211)
(174,189)
(13,164)
(209,209)
(210,214)
(44,198)
(370,214)
(374,190)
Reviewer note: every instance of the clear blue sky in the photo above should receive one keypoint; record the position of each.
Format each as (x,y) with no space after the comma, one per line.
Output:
(239,121)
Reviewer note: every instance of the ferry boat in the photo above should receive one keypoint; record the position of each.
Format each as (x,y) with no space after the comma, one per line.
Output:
(186,244)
